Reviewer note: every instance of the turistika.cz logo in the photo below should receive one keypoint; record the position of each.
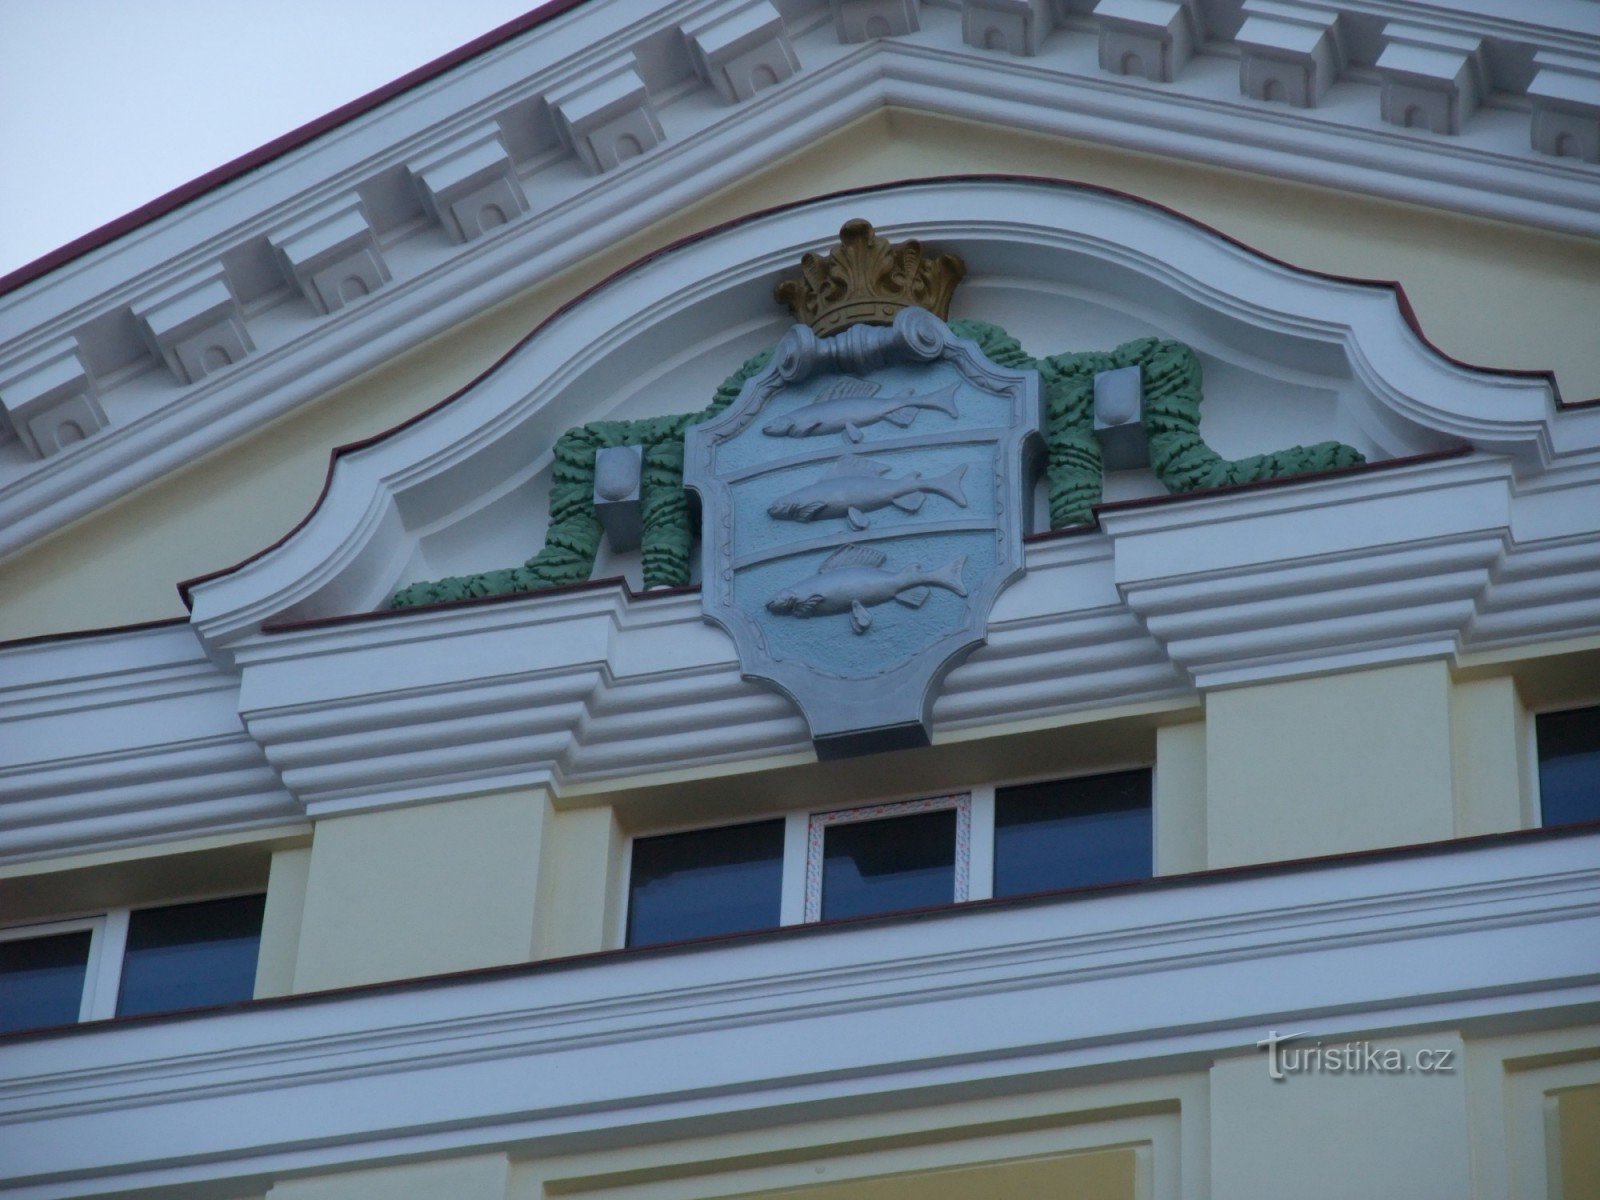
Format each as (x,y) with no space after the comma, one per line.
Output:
(1349,1058)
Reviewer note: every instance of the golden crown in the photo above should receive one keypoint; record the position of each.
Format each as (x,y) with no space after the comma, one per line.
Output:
(866,279)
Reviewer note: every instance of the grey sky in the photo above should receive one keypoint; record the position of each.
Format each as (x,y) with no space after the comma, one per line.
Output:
(106,104)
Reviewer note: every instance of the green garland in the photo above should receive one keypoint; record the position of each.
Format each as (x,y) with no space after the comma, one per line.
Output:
(573,538)
(1178,455)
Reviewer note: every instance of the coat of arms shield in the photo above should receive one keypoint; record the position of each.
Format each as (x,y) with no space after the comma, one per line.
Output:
(863,503)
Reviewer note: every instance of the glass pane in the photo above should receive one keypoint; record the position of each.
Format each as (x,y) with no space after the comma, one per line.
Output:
(41,980)
(190,955)
(1072,833)
(1569,766)
(889,864)
(707,882)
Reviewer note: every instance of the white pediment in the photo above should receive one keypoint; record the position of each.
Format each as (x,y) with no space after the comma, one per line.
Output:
(257,296)
(1289,358)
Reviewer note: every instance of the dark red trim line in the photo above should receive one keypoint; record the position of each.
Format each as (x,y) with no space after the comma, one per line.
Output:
(102,631)
(954,911)
(185,588)
(587,585)
(1044,536)
(280,146)
(1253,486)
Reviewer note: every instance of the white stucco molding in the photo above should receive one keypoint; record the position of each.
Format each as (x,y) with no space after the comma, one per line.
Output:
(595,683)
(155,421)
(122,737)
(1484,937)
(1425,557)
(1406,398)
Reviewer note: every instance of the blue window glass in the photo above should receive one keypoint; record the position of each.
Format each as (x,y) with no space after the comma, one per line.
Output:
(190,955)
(1569,766)
(41,980)
(706,882)
(889,864)
(1072,833)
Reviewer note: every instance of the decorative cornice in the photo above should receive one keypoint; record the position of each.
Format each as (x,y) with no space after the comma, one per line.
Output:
(155,423)
(126,737)
(997,999)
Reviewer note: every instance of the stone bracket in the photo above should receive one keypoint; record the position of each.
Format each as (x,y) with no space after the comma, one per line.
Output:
(471,187)
(1431,79)
(607,118)
(195,327)
(333,258)
(49,399)
(1289,52)
(863,20)
(1014,26)
(619,494)
(1566,106)
(741,52)
(1119,418)
(1152,38)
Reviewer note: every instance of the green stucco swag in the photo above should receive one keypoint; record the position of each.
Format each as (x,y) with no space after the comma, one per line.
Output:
(1179,457)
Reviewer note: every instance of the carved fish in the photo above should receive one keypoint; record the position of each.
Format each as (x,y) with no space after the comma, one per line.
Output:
(851,403)
(851,580)
(858,486)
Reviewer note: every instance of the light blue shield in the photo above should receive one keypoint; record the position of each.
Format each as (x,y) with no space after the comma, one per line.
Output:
(863,503)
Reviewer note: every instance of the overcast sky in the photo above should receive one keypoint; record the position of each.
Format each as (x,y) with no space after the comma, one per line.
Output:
(105,104)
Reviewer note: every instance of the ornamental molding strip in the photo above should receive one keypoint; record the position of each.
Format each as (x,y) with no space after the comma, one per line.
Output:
(1469,529)
(1403,398)
(125,737)
(599,115)
(1480,938)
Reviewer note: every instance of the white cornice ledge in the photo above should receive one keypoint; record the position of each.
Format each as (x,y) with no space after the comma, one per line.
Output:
(131,736)
(1326,574)
(663,145)
(594,684)
(1484,938)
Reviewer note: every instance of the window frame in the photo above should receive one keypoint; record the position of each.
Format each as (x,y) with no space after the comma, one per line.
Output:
(1535,817)
(108,944)
(795,898)
(818,824)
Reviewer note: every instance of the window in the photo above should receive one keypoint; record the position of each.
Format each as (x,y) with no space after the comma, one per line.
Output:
(41,980)
(883,858)
(706,882)
(887,857)
(129,962)
(1569,766)
(1072,833)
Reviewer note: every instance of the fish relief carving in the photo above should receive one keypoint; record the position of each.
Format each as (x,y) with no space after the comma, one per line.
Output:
(852,580)
(857,486)
(851,403)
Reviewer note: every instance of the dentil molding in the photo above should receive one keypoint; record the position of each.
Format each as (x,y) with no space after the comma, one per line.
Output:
(267,292)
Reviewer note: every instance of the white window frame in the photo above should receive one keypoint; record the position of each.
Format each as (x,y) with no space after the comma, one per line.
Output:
(102,976)
(108,945)
(819,824)
(799,900)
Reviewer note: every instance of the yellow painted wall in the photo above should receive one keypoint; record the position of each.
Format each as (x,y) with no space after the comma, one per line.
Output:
(1333,1137)
(1106,1175)
(1578,1139)
(1489,728)
(473,1177)
(579,883)
(280,922)
(1328,765)
(240,499)
(1180,799)
(420,891)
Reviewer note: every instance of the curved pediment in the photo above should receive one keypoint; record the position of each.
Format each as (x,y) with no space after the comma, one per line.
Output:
(1289,358)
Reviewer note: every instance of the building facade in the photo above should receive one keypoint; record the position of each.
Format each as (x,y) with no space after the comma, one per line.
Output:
(387,810)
